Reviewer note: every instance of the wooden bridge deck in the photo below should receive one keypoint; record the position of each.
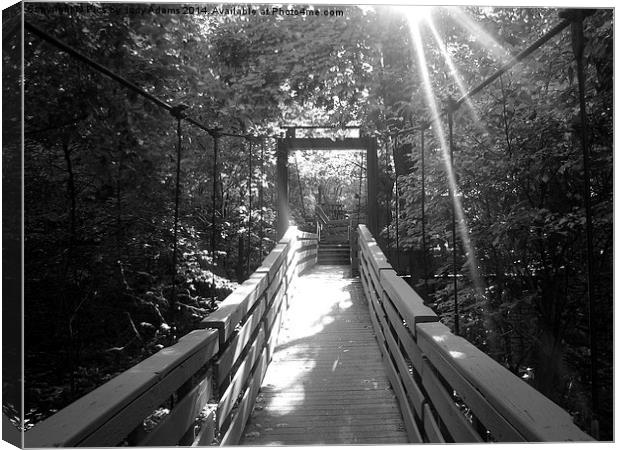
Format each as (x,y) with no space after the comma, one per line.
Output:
(327,383)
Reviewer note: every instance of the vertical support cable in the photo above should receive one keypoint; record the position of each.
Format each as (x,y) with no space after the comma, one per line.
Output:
(261,199)
(451,109)
(213,197)
(388,206)
(397,206)
(359,189)
(578,47)
(423,212)
(250,207)
(177,112)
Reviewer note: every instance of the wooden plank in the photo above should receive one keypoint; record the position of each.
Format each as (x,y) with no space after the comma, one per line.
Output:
(233,434)
(414,394)
(324,379)
(291,251)
(371,273)
(365,286)
(275,283)
(273,336)
(303,253)
(274,309)
(329,429)
(411,349)
(237,344)
(229,397)
(458,426)
(371,285)
(326,144)
(207,431)
(375,256)
(431,428)
(182,417)
(307,256)
(535,416)
(432,339)
(290,235)
(369,246)
(305,245)
(303,267)
(110,412)
(408,303)
(304,235)
(410,424)
(290,274)
(235,307)
(273,261)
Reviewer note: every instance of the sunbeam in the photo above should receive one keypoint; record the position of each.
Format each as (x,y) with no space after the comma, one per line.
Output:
(417,14)
(439,133)
(485,40)
(453,70)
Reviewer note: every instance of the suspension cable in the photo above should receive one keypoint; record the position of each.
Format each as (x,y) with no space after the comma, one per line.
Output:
(521,56)
(261,198)
(397,206)
(125,82)
(249,206)
(213,196)
(451,109)
(423,212)
(178,114)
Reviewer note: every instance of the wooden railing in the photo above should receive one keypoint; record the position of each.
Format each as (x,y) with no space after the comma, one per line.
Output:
(202,389)
(448,390)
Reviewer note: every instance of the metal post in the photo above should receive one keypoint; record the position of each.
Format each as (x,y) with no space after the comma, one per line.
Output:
(451,110)
(577,17)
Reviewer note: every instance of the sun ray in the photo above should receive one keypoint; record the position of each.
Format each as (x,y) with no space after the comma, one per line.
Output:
(453,70)
(437,127)
(485,40)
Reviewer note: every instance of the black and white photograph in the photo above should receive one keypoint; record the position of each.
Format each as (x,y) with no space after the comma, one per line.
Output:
(307,224)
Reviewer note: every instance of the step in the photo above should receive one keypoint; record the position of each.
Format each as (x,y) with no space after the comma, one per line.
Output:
(333,262)
(334,250)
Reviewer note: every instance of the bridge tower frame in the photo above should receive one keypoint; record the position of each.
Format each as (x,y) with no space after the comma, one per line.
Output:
(290,143)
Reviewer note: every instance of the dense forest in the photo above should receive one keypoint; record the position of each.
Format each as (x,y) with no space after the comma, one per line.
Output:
(125,250)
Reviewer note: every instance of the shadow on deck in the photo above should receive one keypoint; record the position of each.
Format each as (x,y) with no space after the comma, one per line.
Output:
(327,383)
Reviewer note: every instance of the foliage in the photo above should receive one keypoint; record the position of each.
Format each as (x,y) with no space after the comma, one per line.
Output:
(100,165)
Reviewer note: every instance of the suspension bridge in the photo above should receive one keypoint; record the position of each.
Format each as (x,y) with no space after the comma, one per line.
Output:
(303,353)
(323,344)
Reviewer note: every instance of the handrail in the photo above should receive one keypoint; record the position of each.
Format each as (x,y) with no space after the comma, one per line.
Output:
(204,386)
(321,214)
(437,375)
